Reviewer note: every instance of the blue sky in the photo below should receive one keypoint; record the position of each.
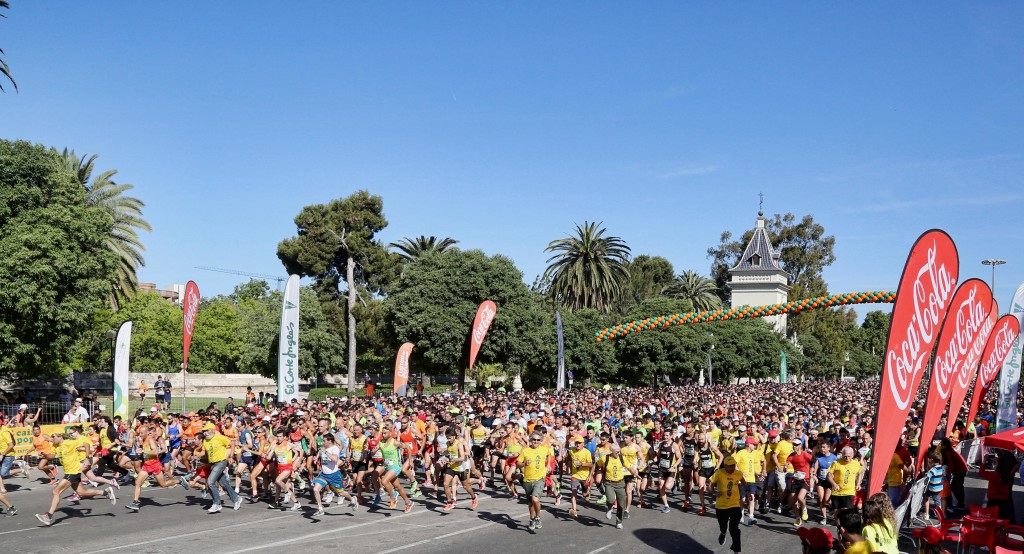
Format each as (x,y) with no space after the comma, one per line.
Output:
(503,125)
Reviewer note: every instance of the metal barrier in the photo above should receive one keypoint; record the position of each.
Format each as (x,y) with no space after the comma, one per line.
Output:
(51,411)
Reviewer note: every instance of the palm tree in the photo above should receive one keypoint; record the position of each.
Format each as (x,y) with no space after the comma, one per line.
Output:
(588,269)
(410,249)
(699,290)
(127,213)
(4,70)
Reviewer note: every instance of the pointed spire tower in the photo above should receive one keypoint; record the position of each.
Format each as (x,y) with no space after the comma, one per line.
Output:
(758,279)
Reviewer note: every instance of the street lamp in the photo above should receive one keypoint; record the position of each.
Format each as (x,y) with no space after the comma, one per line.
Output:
(710,379)
(993,262)
(842,370)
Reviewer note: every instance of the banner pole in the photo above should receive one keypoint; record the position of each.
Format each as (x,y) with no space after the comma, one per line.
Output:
(184,388)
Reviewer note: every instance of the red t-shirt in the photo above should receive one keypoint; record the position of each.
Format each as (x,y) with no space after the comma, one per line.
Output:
(801,463)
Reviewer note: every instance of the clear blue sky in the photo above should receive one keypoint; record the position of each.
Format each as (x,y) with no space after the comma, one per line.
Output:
(504,124)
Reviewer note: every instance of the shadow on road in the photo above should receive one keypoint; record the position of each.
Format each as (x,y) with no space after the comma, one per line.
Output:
(667,540)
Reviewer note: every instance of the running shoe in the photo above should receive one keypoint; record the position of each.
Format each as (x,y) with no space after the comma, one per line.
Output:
(109,493)
(296,507)
(703,511)
(574,513)
(686,504)
(417,493)
(272,505)
(341,500)
(797,522)
(237,504)
(13,510)
(376,499)
(539,525)
(44,519)
(115,484)
(53,481)
(353,505)
(824,521)
(392,503)
(318,513)
(448,507)
(608,515)
(476,502)
(803,514)
(415,487)
(531,526)
(751,520)
(328,498)
(408,507)
(558,501)
(665,509)
(625,514)
(214,509)
(602,500)
(618,526)
(721,538)
(133,506)
(74,498)
(206,493)
(287,497)
(183,483)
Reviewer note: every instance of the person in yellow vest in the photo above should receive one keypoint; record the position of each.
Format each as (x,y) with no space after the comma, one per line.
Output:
(581,464)
(845,475)
(534,461)
(727,481)
(216,447)
(72,452)
(615,471)
(751,463)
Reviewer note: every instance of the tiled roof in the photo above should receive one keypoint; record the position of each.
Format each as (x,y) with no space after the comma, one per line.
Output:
(759,249)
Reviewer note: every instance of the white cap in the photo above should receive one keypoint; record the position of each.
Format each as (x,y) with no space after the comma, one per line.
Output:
(23,407)
(497,423)
(541,413)
(153,409)
(273,413)
(101,407)
(78,400)
(249,405)
(300,413)
(266,418)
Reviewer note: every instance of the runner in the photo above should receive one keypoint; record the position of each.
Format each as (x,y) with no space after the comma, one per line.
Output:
(751,462)
(217,449)
(614,472)
(330,476)
(668,458)
(799,483)
(727,483)
(581,467)
(42,444)
(391,468)
(150,448)
(845,476)
(822,467)
(458,460)
(72,452)
(706,461)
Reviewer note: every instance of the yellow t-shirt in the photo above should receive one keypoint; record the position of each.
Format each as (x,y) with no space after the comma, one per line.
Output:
(728,486)
(880,538)
(629,456)
(894,476)
(614,470)
(6,439)
(216,448)
(479,436)
(70,457)
(782,451)
(715,435)
(579,457)
(356,446)
(845,475)
(534,463)
(767,451)
(858,548)
(750,464)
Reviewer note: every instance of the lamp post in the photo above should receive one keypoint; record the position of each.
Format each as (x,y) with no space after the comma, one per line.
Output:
(842,370)
(993,262)
(710,379)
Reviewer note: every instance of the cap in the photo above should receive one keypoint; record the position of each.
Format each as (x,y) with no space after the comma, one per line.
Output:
(930,535)
(23,407)
(266,418)
(540,413)
(816,537)
(742,428)
(773,433)
(576,439)
(729,461)
(752,440)
(300,413)
(250,405)
(798,442)
(153,409)
(209,427)
(273,413)
(78,400)
(497,423)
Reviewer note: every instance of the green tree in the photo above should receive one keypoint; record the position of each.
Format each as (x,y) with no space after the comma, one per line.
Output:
(588,269)
(699,290)
(4,69)
(337,241)
(56,267)
(434,304)
(216,341)
(588,359)
(676,352)
(410,249)
(126,211)
(649,277)
(156,336)
(748,349)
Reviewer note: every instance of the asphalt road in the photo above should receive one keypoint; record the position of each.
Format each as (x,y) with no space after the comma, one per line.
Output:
(175,520)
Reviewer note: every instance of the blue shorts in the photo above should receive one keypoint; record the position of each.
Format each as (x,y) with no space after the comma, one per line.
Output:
(5,467)
(332,480)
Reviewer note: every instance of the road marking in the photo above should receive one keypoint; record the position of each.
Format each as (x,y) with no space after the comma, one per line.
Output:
(403,547)
(407,546)
(31,528)
(603,548)
(182,535)
(309,536)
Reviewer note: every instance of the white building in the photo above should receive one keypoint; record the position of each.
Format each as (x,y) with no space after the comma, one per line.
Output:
(758,279)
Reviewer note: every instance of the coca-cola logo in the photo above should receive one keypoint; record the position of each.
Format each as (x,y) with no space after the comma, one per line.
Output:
(403,363)
(931,292)
(963,324)
(966,370)
(1003,341)
(191,307)
(485,316)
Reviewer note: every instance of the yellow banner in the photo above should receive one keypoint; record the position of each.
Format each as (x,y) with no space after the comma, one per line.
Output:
(23,437)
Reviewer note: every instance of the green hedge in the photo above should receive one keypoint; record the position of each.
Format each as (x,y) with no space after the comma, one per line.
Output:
(317,395)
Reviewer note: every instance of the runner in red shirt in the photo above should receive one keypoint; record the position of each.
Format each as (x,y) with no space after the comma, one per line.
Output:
(800,462)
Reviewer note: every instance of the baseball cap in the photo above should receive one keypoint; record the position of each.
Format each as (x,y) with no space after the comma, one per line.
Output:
(817,537)
(300,413)
(266,418)
(798,442)
(930,535)
(250,405)
(576,439)
(729,461)
(78,400)
(752,440)
(209,427)
(23,407)
(153,409)
(773,433)
(742,428)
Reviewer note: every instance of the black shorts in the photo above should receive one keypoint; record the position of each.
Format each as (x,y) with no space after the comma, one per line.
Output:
(840,502)
(667,474)
(460,475)
(824,483)
(75,479)
(478,451)
(628,478)
(797,485)
(706,472)
(360,466)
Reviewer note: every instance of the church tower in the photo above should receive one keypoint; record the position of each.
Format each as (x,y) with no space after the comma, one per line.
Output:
(758,279)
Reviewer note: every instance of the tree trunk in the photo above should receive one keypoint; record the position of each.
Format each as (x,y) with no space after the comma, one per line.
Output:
(350,279)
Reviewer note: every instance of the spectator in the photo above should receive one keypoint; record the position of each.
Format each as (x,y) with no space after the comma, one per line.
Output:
(159,389)
(999,471)
(815,540)
(143,388)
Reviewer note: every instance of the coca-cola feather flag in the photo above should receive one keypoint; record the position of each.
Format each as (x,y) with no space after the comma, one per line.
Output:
(402,369)
(966,315)
(969,368)
(1000,342)
(191,305)
(922,299)
(484,316)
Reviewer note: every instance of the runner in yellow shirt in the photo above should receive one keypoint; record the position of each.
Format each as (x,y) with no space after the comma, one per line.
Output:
(72,453)
(727,482)
(534,460)
(845,475)
(750,461)
(615,471)
(581,465)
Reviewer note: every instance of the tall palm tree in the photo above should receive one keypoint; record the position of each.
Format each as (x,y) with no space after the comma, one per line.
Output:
(699,290)
(588,269)
(127,213)
(4,70)
(410,249)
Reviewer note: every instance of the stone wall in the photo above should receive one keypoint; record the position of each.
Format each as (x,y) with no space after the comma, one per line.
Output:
(194,384)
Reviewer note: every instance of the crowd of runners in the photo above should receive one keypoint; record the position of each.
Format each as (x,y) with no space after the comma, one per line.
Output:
(797,451)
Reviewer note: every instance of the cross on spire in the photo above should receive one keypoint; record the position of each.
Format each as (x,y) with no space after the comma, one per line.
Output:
(760,207)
